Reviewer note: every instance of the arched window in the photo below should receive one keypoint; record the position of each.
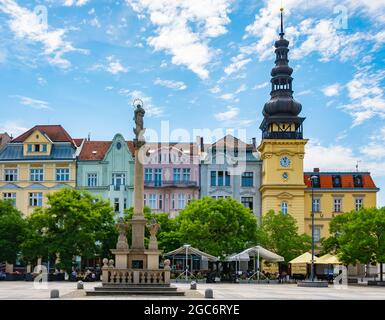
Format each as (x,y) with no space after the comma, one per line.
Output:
(284,207)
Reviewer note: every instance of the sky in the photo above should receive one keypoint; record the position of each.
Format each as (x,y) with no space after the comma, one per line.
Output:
(198,64)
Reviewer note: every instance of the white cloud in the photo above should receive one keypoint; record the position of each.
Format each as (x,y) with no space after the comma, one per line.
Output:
(184,28)
(13,127)
(238,63)
(304,92)
(41,81)
(28,26)
(33,103)
(230,114)
(242,88)
(340,158)
(331,90)
(175,85)
(112,65)
(261,85)
(215,89)
(366,95)
(77,3)
(227,96)
(149,107)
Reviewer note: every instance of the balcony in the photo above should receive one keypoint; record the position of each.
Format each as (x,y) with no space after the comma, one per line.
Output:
(170,184)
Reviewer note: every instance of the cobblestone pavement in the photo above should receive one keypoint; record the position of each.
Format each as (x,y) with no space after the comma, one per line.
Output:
(20,290)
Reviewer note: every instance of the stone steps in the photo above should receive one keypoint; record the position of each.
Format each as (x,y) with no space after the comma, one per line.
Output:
(115,290)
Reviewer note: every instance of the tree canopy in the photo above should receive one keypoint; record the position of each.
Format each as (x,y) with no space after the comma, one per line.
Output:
(12,231)
(359,236)
(218,227)
(75,223)
(279,233)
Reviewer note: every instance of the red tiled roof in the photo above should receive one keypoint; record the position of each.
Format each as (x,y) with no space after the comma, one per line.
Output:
(94,150)
(56,133)
(346,180)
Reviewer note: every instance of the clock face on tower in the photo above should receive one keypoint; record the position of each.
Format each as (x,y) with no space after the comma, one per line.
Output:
(285,162)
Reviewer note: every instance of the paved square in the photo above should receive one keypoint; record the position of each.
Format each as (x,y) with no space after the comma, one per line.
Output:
(20,290)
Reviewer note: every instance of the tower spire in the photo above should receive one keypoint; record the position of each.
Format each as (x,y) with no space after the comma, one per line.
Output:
(282,109)
(281,33)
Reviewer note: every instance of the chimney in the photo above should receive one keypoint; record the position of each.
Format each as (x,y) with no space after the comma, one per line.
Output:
(316,170)
(89,136)
(254,142)
(201,145)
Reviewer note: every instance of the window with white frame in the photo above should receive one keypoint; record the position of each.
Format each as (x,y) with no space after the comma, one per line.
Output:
(116,205)
(152,200)
(35,199)
(317,205)
(144,199)
(359,202)
(173,201)
(158,177)
(337,205)
(10,196)
(36,174)
(181,201)
(186,174)
(160,201)
(118,179)
(284,207)
(10,174)
(317,234)
(92,179)
(176,172)
(62,174)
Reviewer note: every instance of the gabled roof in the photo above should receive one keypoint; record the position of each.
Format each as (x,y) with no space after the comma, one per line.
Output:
(326,181)
(96,150)
(56,133)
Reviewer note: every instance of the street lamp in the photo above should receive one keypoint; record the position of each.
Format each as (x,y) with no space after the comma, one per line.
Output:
(186,246)
(312,179)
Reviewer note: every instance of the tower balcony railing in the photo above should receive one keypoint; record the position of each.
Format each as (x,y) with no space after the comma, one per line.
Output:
(282,135)
(171,183)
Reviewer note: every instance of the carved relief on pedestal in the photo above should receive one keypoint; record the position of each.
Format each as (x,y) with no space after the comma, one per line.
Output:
(122,239)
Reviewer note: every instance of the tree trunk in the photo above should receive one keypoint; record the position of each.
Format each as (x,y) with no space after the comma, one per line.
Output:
(381,272)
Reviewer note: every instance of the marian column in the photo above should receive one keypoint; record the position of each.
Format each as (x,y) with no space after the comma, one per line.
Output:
(138,221)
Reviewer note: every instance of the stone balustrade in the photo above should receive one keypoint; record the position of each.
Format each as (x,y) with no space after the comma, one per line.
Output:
(112,275)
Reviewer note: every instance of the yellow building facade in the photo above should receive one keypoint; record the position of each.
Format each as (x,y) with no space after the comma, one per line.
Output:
(285,187)
(38,162)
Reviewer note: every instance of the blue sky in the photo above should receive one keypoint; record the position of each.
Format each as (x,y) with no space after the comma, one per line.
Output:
(198,64)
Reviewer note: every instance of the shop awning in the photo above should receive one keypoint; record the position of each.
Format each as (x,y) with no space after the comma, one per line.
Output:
(328,259)
(254,252)
(303,258)
(191,250)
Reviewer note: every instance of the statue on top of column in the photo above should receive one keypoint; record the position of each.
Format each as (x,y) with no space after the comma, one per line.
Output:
(139,129)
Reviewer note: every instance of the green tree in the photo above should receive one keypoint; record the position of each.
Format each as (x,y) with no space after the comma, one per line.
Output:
(218,227)
(360,236)
(12,231)
(279,233)
(75,223)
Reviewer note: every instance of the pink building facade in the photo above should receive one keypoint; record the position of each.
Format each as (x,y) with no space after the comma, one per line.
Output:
(171,176)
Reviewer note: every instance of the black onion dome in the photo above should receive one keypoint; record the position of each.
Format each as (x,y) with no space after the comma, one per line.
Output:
(282,106)
(282,102)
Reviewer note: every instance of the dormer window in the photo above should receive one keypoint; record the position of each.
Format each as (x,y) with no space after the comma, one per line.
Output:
(316,181)
(36,148)
(32,148)
(357,181)
(336,181)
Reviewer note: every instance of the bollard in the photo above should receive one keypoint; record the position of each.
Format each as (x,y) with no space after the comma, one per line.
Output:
(54,293)
(80,285)
(209,294)
(193,285)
